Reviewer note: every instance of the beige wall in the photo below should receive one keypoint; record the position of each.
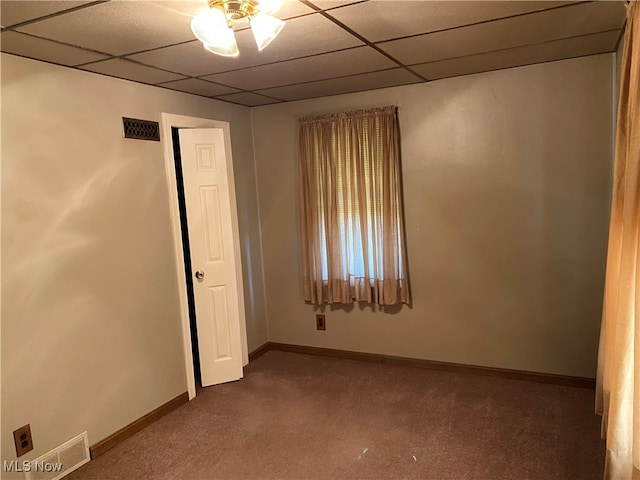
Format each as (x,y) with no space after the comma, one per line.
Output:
(506,184)
(619,59)
(506,178)
(91,335)
(616,77)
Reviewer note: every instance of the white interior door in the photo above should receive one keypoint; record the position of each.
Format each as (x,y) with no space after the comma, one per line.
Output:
(213,262)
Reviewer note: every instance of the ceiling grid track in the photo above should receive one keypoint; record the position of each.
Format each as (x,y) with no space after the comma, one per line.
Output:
(340,48)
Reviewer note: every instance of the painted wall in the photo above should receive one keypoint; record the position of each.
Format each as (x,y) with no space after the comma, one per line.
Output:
(91,335)
(619,59)
(506,185)
(616,78)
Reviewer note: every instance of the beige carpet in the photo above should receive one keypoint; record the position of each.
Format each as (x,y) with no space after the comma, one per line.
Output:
(306,417)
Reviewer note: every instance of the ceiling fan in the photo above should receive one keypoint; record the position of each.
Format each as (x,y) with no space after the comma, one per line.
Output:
(214,26)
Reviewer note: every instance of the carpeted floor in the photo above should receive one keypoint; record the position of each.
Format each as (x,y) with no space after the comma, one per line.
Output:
(306,417)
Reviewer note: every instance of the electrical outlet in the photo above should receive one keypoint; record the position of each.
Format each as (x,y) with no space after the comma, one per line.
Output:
(22,439)
(320,322)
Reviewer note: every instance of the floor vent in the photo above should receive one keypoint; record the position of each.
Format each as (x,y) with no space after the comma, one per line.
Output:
(141,129)
(61,460)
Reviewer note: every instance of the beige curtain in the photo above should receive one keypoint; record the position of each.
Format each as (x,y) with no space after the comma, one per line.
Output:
(618,382)
(352,224)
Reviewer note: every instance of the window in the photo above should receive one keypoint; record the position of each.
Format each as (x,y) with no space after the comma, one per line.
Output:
(352,225)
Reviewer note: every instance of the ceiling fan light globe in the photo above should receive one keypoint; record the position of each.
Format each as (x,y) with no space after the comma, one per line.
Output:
(265,28)
(269,6)
(229,50)
(209,25)
(211,28)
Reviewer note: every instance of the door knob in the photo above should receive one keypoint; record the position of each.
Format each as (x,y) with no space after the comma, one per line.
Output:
(199,274)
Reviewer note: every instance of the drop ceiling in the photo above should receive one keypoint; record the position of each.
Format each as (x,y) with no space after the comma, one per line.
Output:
(327,47)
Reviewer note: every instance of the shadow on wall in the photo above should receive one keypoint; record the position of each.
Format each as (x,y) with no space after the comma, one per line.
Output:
(84,290)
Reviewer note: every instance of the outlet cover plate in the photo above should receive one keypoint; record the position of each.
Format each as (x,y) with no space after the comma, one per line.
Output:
(22,439)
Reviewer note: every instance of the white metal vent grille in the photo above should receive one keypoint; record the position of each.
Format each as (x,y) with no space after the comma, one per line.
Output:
(61,460)
(141,129)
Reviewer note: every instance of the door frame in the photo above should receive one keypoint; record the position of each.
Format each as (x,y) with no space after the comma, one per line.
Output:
(168,121)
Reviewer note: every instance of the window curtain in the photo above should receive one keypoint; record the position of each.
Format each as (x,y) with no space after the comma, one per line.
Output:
(618,379)
(352,225)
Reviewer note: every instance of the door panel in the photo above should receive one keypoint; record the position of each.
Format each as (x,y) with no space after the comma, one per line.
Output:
(215,285)
(210,203)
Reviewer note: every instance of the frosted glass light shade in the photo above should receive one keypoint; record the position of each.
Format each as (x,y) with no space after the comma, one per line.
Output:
(212,30)
(265,28)
(229,49)
(207,25)
(269,6)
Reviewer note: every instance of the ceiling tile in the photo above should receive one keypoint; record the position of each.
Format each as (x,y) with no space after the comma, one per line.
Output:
(45,50)
(513,57)
(13,12)
(248,98)
(289,8)
(189,58)
(335,86)
(328,4)
(585,18)
(317,67)
(292,8)
(199,87)
(186,8)
(378,21)
(190,8)
(117,28)
(313,56)
(131,71)
(300,37)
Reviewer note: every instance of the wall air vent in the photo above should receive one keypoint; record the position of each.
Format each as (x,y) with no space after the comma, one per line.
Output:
(61,460)
(141,129)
